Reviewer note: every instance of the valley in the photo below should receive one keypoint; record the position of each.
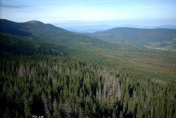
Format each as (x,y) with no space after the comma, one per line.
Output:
(51,72)
(148,51)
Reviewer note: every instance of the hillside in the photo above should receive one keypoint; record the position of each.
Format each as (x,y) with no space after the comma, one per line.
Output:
(136,35)
(35,36)
(63,87)
(47,32)
(48,71)
(11,45)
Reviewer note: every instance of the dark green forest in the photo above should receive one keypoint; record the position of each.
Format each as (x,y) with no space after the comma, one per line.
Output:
(62,87)
(77,76)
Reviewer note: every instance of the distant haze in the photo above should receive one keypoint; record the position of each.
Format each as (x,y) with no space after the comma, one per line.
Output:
(91,12)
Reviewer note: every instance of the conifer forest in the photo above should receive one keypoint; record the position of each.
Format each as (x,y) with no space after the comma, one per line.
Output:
(46,71)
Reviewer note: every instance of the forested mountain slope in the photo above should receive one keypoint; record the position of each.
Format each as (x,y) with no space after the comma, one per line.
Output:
(62,87)
(141,36)
(48,33)
(11,45)
(60,41)
(48,71)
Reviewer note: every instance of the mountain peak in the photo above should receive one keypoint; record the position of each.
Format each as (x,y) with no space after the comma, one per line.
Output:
(35,22)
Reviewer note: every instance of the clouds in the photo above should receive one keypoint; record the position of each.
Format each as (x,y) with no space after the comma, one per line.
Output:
(13,6)
(106,11)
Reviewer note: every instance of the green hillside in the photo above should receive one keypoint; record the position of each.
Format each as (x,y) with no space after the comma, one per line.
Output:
(48,71)
(48,33)
(63,87)
(150,62)
(11,45)
(136,35)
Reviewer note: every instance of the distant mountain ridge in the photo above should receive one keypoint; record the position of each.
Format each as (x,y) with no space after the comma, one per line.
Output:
(137,35)
(59,36)
(51,35)
(34,22)
(25,28)
(147,27)
(87,28)
(166,26)
(103,27)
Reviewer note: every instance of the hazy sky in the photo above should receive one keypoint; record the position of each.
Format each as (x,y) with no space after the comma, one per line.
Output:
(109,12)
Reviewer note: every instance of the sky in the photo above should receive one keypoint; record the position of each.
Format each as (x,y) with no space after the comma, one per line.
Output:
(91,12)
